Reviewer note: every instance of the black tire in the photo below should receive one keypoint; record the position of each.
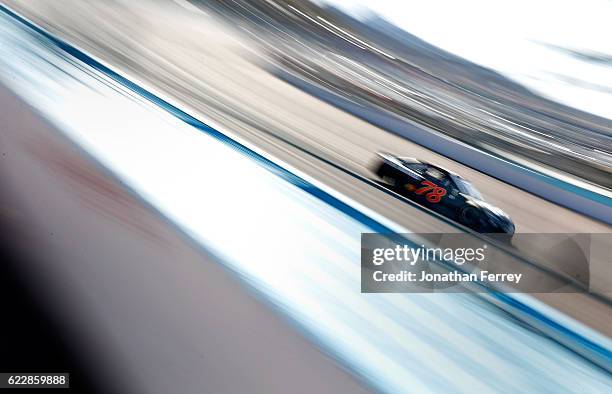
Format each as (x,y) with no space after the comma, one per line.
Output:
(471,217)
(384,170)
(387,174)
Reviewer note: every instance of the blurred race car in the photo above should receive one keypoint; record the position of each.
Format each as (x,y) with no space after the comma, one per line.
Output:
(442,191)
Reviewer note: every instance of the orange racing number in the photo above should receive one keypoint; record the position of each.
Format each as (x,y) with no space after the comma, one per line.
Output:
(434,192)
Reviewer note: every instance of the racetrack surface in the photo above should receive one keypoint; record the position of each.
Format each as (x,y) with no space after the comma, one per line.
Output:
(198,62)
(192,60)
(133,296)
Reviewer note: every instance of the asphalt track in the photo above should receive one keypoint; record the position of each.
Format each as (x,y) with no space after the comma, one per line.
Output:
(199,63)
(130,314)
(96,126)
(190,59)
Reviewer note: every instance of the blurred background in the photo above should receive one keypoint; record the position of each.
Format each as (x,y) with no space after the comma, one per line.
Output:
(493,78)
(184,184)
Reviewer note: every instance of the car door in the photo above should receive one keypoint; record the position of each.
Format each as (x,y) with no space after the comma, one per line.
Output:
(433,190)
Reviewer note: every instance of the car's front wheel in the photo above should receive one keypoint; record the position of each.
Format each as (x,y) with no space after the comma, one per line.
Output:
(471,217)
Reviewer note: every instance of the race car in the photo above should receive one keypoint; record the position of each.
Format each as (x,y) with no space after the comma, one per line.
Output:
(443,192)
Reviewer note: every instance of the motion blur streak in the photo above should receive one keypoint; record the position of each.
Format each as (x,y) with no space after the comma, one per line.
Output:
(524,139)
(378,64)
(210,68)
(294,243)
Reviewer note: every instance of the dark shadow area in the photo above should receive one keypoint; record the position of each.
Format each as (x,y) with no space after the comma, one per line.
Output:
(31,340)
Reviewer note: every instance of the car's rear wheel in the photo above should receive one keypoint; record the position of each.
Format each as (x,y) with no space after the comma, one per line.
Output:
(387,174)
(384,170)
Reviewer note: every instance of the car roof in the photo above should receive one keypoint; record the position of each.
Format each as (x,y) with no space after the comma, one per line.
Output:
(412,160)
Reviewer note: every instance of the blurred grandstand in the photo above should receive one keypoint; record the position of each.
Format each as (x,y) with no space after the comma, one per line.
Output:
(376,64)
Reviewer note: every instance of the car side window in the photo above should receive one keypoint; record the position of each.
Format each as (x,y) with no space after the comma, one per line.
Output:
(435,173)
(442,178)
(418,168)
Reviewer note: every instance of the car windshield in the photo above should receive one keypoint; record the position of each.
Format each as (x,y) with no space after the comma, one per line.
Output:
(466,187)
